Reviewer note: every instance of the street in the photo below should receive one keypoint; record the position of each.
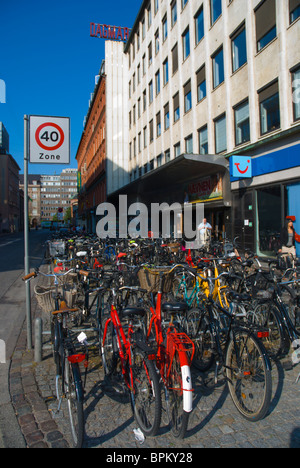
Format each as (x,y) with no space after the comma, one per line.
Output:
(12,313)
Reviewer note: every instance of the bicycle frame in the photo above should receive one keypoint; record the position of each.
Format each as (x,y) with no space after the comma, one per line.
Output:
(179,342)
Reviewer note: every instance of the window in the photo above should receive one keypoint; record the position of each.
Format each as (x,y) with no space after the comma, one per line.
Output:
(158,125)
(164,28)
(167,155)
(201,84)
(173,12)
(203,140)
(156,42)
(186,43)
(176,107)
(166,71)
(265,17)
(143,29)
(220,134)
(151,130)
(145,136)
(144,100)
(166,116)
(239,48)
(218,68)
(242,123)
(144,64)
(199,25)
(159,160)
(294,10)
(139,142)
(157,82)
(149,54)
(149,15)
(150,92)
(215,10)
(175,59)
(183,3)
(187,96)
(177,150)
(296,93)
(269,108)
(189,144)
(156,6)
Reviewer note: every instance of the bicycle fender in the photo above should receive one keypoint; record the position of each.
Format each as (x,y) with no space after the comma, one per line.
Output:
(78,382)
(187,388)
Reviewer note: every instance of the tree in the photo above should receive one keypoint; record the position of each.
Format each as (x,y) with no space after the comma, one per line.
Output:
(67,217)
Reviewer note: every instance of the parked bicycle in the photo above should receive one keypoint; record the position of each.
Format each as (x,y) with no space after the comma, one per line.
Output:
(68,381)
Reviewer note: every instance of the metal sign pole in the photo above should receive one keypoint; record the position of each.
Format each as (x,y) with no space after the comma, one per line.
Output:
(26,235)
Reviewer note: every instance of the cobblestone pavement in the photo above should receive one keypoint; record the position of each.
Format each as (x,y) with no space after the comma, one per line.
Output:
(214,422)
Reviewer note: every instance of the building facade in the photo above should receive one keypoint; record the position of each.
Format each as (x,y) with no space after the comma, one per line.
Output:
(34,198)
(56,194)
(208,80)
(91,157)
(10,210)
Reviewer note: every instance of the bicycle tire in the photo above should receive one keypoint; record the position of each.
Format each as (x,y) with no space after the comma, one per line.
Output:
(178,415)
(248,375)
(108,347)
(199,331)
(145,393)
(74,396)
(268,316)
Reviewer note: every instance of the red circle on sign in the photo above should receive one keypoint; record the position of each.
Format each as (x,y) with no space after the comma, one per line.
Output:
(49,124)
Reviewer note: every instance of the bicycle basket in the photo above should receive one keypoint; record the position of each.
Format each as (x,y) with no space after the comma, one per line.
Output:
(149,279)
(46,301)
(56,248)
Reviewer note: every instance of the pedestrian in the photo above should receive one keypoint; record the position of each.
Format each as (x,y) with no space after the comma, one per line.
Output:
(204,231)
(287,239)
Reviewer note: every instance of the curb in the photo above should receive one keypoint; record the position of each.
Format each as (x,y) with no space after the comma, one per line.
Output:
(35,420)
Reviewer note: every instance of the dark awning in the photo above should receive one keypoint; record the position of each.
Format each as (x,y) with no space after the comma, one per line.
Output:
(173,175)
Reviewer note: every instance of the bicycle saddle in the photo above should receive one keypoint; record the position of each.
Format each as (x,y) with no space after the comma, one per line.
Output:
(174,307)
(132,311)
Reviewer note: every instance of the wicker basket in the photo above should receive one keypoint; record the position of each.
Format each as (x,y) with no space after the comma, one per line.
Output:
(174,247)
(149,279)
(45,299)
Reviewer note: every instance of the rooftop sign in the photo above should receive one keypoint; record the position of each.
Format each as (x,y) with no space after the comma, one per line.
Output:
(112,33)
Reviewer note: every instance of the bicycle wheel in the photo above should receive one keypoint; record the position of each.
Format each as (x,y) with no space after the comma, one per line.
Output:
(267,315)
(108,347)
(248,372)
(74,395)
(179,417)
(145,393)
(199,330)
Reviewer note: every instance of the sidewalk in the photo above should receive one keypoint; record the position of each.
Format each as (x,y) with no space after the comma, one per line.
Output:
(213,423)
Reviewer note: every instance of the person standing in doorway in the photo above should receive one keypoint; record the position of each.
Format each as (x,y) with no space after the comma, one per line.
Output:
(204,231)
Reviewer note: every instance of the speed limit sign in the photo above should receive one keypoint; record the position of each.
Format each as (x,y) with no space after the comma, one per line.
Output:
(49,140)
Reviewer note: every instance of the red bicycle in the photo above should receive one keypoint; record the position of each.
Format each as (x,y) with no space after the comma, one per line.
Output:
(174,352)
(125,353)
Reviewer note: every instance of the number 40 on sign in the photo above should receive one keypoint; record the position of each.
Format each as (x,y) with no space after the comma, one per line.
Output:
(49,140)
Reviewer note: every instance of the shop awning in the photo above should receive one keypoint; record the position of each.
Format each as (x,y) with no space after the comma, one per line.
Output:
(177,172)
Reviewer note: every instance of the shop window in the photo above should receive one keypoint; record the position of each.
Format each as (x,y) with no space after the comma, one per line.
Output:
(218,67)
(294,10)
(269,219)
(201,84)
(265,17)
(269,109)
(242,123)
(220,134)
(239,48)
(296,93)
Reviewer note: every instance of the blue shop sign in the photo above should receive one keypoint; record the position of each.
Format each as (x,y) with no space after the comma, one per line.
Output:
(241,167)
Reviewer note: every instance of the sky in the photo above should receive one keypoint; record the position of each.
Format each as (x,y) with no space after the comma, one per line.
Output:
(49,62)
